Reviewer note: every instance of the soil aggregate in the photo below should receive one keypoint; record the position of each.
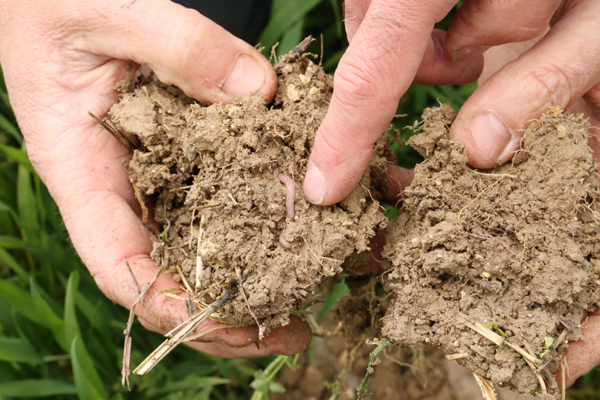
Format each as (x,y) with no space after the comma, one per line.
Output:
(514,249)
(214,175)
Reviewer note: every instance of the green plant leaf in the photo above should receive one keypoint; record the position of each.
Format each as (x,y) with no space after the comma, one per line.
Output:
(18,350)
(363,386)
(49,318)
(10,242)
(71,325)
(18,155)
(7,259)
(291,38)
(190,383)
(36,388)
(26,205)
(338,291)
(286,13)
(7,126)
(88,382)
(21,301)
(276,387)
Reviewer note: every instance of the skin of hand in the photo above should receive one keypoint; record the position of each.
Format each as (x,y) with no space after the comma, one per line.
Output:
(393,43)
(61,59)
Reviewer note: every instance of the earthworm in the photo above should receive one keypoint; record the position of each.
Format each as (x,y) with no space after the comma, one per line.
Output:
(284,242)
(289,204)
(291,193)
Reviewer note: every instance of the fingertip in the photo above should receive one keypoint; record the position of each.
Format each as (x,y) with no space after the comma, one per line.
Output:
(290,339)
(315,185)
(398,179)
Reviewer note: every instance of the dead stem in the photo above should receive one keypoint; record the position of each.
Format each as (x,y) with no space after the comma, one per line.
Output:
(563,364)
(127,349)
(109,126)
(297,51)
(261,328)
(487,388)
(199,262)
(190,325)
(540,380)
(140,199)
(206,332)
(452,357)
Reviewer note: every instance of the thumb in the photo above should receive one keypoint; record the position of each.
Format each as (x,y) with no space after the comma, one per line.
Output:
(181,46)
(557,71)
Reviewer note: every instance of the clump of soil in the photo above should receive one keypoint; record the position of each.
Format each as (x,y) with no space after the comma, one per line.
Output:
(513,249)
(215,175)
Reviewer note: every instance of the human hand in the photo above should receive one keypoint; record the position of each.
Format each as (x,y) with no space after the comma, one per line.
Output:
(61,59)
(584,355)
(392,44)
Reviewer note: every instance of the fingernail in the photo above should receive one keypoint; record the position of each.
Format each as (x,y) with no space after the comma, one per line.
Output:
(490,133)
(468,52)
(246,77)
(315,185)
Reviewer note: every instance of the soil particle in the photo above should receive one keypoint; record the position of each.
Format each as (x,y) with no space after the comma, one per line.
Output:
(212,173)
(513,249)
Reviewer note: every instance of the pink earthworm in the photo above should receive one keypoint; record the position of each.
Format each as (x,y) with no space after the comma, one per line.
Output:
(284,242)
(289,204)
(291,193)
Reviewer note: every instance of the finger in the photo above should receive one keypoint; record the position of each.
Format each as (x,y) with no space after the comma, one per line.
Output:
(378,67)
(583,355)
(184,49)
(398,179)
(354,14)
(480,24)
(557,71)
(374,264)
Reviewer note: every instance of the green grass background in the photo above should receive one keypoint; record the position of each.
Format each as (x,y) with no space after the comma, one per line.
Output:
(61,338)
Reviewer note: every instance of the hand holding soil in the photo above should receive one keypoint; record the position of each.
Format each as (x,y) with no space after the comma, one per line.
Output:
(61,60)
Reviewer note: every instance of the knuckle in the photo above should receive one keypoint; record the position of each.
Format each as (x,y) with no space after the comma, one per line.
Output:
(551,85)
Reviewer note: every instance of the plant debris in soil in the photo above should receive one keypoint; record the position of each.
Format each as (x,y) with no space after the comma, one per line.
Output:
(500,266)
(226,184)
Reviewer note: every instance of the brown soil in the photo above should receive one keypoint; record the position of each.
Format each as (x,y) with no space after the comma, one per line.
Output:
(212,173)
(514,248)
(340,355)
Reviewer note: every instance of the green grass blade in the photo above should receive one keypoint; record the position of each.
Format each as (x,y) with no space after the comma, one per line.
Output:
(338,291)
(6,208)
(287,13)
(20,300)
(9,260)
(291,38)
(50,319)
(339,23)
(190,383)
(17,155)
(88,383)
(71,325)
(26,205)
(35,388)
(18,350)
(11,242)
(7,126)
(363,386)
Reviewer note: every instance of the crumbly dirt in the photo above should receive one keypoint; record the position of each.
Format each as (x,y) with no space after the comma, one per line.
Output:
(514,249)
(212,173)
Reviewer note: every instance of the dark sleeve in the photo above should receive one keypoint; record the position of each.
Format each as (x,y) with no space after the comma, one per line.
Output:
(244,18)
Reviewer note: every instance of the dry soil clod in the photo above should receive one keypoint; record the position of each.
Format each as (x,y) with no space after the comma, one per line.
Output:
(508,250)
(218,170)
